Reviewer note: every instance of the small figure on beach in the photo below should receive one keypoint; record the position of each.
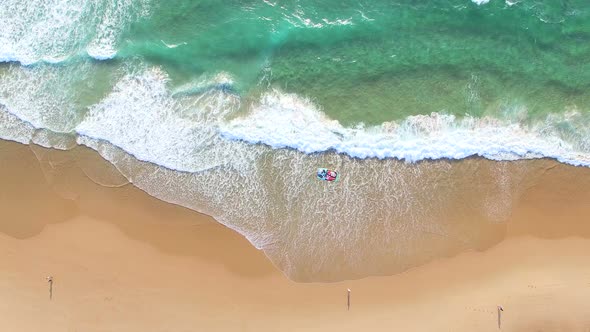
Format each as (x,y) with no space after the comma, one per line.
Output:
(348,299)
(327,175)
(50,281)
(500,309)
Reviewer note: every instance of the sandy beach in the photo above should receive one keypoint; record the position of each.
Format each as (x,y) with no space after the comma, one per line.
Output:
(124,261)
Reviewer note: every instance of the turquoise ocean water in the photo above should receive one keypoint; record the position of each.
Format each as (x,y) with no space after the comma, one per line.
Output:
(228,107)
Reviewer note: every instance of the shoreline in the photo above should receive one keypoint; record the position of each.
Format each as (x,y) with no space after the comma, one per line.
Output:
(124,261)
(544,203)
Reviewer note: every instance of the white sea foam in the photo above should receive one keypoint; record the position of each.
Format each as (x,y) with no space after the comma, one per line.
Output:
(173,45)
(298,17)
(188,129)
(14,129)
(511,3)
(102,52)
(388,211)
(46,96)
(286,120)
(143,117)
(54,30)
(480,2)
(114,17)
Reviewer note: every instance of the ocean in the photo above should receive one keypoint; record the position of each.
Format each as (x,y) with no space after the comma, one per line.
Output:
(438,115)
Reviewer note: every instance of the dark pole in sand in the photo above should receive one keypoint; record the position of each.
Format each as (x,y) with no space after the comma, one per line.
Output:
(348,300)
(50,281)
(500,309)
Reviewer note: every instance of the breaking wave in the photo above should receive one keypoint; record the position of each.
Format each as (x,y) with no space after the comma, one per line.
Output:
(52,31)
(288,121)
(192,146)
(198,127)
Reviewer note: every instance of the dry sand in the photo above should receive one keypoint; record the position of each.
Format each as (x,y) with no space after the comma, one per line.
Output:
(124,261)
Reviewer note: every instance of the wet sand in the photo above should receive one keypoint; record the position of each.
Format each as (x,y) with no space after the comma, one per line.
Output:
(124,261)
